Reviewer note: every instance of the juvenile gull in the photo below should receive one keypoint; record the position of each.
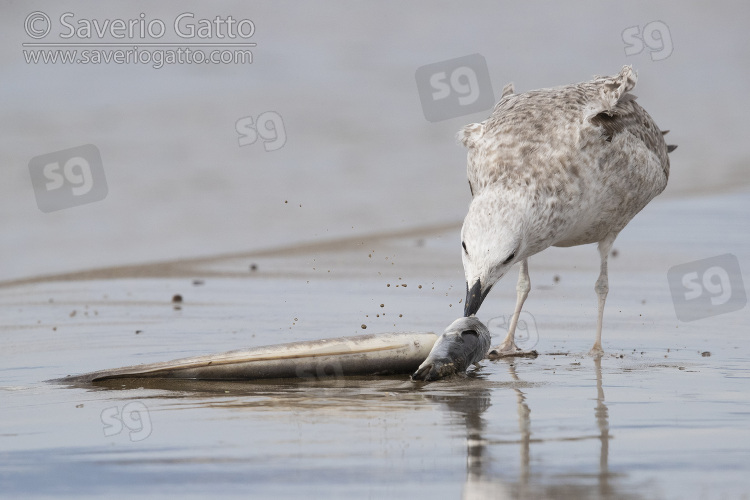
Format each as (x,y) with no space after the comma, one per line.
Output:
(557,167)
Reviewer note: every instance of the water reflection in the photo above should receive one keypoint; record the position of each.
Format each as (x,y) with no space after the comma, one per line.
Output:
(482,480)
(602,421)
(464,400)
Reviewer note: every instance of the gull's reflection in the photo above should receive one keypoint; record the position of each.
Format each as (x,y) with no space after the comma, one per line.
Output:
(484,482)
(465,400)
(466,408)
(602,421)
(524,427)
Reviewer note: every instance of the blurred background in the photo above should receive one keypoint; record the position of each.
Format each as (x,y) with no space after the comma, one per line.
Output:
(337,82)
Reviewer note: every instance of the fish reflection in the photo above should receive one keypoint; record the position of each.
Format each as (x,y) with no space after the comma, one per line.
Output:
(465,401)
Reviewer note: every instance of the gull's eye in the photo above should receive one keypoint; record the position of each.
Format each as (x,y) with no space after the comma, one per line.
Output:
(463,244)
(509,258)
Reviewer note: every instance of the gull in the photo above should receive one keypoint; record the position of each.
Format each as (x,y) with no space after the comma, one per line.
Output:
(559,167)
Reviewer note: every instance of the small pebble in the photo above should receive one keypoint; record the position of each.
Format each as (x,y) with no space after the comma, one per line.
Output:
(706,354)
(364,327)
(177,298)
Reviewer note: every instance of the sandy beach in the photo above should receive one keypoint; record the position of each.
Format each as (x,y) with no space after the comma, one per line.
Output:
(353,221)
(662,415)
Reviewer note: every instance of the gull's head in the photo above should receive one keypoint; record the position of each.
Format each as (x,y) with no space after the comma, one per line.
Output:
(491,243)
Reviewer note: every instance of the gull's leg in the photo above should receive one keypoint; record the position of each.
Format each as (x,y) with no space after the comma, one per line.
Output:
(508,347)
(601,288)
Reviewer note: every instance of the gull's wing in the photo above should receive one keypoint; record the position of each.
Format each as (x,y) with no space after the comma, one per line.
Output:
(549,129)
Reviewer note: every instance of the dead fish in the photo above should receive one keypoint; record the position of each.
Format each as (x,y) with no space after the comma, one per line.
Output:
(373,354)
(465,342)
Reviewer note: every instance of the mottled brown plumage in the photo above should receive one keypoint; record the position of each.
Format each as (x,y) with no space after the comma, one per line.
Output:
(557,167)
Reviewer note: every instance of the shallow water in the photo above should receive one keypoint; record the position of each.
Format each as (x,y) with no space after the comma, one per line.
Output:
(657,417)
(359,155)
(376,193)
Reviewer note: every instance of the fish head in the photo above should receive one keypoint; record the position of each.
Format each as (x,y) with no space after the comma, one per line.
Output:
(464,342)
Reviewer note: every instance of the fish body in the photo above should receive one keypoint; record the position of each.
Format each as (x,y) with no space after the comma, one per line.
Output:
(372,354)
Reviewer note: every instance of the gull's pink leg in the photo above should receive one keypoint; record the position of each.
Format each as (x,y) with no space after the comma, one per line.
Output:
(508,346)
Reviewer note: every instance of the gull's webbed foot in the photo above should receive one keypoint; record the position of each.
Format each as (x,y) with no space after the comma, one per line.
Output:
(596,351)
(509,349)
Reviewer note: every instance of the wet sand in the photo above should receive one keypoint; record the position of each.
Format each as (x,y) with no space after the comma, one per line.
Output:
(656,417)
(361,207)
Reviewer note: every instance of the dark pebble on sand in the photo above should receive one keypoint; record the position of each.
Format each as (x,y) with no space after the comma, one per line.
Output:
(177,298)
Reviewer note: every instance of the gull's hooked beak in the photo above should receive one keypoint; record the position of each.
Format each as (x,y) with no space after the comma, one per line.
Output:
(474,298)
